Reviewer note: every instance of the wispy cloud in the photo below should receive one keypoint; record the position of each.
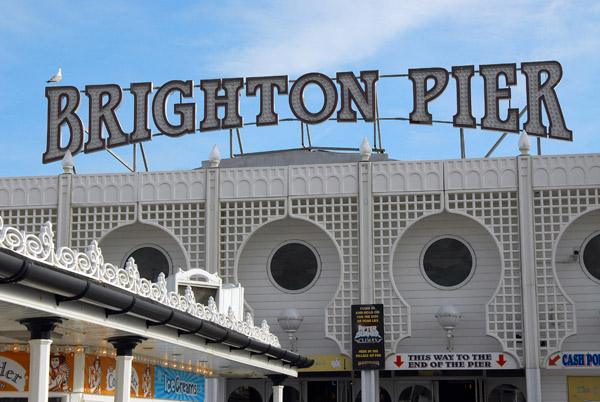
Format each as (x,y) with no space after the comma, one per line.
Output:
(298,37)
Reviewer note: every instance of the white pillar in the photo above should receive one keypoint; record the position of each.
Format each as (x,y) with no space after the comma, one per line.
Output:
(365,232)
(63,220)
(534,384)
(369,379)
(531,334)
(79,372)
(39,369)
(215,389)
(123,389)
(369,383)
(213,221)
(277,393)
(124,346)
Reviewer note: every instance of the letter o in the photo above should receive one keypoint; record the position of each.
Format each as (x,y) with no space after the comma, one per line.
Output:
(296,98)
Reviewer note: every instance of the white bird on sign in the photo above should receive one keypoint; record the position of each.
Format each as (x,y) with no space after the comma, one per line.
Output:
(56,78)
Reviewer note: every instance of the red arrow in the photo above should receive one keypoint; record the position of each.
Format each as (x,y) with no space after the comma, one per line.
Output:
(398,361)
(501,360)
(552,362)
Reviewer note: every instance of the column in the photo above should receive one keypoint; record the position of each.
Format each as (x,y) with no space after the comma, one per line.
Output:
(215,389)
(369,379)
(39,358)
(124,346)
(530,312)
(123,388)
(278,380)
(65,180)
(365,232)
(369,383)
(212,221)
(79,373)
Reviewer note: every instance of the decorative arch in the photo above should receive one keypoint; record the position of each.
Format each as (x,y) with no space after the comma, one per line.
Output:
(323,230)
(393,214)
(561,317)
(554,210)
(118,250)
(497,212)
(338,217)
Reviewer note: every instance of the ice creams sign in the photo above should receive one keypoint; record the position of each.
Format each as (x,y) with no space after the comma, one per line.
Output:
(343,96)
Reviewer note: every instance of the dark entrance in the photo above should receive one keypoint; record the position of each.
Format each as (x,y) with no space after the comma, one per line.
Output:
(321,391)
(334,390)
(457,391)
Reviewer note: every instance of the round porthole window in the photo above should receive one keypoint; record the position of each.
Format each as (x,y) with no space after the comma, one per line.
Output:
(150,260)
(590,258)
(294,266)
(447,262)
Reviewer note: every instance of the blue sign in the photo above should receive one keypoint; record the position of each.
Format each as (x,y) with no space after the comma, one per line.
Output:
(178,385)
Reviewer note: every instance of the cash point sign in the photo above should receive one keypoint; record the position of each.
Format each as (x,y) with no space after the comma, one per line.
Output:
(573,360)
(428,83)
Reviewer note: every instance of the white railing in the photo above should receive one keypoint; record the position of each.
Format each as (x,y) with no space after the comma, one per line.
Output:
(91,264)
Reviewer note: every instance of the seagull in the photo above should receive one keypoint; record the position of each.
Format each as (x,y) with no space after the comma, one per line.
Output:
(56,78)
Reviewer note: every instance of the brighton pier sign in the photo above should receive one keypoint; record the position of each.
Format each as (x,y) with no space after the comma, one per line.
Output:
(428,83)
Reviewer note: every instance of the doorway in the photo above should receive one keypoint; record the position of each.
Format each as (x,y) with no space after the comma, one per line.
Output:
(457,391)
(321,391)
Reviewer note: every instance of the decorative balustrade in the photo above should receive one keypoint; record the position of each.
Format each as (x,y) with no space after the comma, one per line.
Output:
(91,264)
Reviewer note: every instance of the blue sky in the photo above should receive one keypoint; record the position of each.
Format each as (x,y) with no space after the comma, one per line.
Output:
(118,42)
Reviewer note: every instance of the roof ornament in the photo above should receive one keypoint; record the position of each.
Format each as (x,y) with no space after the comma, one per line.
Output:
(68,163)
(524,143)
(365,150)
(214,157)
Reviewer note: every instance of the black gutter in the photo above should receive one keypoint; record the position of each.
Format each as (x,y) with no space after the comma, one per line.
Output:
(69,286)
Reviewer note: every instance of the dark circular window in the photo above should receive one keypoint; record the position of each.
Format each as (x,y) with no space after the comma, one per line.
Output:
(294,266)
(384,396)
(447,262)
(150,262)
(414,394)
(244,394)
(289,395)
(591,256)
(506,392)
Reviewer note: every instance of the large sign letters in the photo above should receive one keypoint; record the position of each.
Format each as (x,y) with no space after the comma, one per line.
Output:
(66,128)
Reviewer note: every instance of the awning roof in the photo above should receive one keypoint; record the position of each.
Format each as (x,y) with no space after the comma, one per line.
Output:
(93,311)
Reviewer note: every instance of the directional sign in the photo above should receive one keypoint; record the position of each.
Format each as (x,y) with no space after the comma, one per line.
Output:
(576,360)
(451,361)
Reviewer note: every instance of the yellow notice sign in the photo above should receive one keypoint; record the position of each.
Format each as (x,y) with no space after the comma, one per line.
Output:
(586,389)
(328,363)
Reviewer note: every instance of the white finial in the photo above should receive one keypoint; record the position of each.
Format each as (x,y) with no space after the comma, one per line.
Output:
(215,156)
(365,149)
(68,163)
(524,143)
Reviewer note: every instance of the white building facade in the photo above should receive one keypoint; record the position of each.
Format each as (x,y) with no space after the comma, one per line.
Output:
(512,244)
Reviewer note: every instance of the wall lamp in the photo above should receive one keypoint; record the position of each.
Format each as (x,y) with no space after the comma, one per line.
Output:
(448,317)
(290,320)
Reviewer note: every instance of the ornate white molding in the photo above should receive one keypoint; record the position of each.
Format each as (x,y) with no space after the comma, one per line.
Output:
(91,264)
